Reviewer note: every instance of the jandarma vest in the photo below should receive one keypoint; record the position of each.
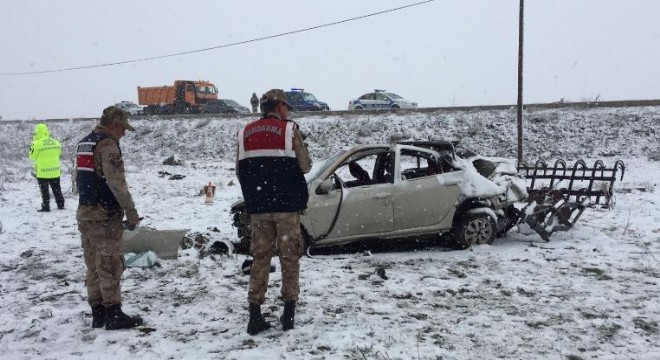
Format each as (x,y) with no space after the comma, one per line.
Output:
(92,188)
(268,170)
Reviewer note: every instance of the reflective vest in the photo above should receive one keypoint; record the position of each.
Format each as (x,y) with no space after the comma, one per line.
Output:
(45,153)
(92,188)
(268,170)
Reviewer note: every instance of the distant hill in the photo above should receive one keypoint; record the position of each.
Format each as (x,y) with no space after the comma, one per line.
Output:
(569,133)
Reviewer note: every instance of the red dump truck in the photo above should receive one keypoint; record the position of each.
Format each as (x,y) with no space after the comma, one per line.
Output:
(185,97)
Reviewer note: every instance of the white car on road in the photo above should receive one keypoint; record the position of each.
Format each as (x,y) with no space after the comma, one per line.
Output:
(381,99)
(130,107)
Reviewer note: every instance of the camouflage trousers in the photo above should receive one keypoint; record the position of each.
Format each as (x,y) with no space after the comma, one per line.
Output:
(103,252)
(275,232)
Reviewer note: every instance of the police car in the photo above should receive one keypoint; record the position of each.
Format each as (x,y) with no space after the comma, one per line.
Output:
(304,101)
(380,99)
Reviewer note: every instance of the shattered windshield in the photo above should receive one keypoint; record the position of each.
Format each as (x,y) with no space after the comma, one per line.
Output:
(319,167)
(206,89)
(309,97)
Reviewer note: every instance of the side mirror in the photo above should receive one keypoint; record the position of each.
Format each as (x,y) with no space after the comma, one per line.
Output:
(326,186)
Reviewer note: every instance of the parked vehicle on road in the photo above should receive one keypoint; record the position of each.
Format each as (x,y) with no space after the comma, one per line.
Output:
(301,100)
(223,106)
(380,99)
(184,97)
(387,191)
(130,107)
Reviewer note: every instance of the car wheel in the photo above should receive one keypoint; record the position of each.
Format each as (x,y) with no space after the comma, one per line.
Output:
(359,108)
(474,229)
(396,107)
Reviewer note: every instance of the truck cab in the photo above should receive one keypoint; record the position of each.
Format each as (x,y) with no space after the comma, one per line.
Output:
(197,92)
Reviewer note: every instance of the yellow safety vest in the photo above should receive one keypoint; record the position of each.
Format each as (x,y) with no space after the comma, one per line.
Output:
(45,153)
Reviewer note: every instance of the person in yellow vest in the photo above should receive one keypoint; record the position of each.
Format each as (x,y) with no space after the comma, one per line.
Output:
(45,155)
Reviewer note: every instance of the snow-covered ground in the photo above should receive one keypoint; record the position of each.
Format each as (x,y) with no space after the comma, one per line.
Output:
(590,293)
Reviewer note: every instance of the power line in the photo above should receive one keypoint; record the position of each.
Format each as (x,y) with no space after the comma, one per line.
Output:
(218,46)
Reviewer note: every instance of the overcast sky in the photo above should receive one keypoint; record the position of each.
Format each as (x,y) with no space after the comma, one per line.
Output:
(443,53)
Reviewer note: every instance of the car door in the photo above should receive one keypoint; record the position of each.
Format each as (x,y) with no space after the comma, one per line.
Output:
(365,209)
(368,101)
(296,100)
(382,101)
(425,196)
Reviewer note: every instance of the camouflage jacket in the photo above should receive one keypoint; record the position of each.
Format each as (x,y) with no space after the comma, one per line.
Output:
(109,164)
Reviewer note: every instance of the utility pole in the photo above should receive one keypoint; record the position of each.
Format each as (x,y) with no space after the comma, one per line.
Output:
(520,81)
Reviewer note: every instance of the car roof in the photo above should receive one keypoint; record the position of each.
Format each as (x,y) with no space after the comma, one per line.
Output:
(430,144)
(425,143)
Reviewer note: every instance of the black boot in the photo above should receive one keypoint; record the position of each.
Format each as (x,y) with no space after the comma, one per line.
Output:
(115,319)
(43,209)
(288,316)
(257,323)
(98,316)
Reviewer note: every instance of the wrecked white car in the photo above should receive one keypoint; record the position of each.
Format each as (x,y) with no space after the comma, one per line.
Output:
(388,191)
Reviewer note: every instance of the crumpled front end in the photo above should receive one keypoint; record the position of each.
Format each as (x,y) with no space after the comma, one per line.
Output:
(494,179)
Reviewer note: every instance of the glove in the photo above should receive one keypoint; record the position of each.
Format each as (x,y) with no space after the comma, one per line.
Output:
(127,225)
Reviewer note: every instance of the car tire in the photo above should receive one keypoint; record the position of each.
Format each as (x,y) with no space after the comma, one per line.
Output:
(474,229)
(396,107)
(359,108)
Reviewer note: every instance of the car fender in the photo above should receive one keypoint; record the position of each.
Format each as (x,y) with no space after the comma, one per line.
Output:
(474,206)
(484,210)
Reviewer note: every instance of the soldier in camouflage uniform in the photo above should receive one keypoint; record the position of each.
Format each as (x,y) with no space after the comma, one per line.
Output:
(271,163)
(254,101)
(104,200)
